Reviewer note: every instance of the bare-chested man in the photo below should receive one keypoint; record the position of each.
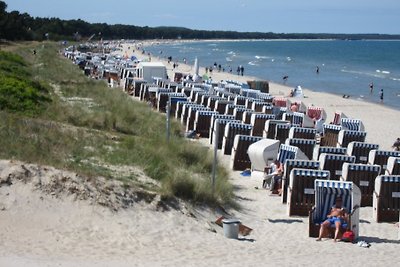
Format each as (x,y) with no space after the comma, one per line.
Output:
(336,217)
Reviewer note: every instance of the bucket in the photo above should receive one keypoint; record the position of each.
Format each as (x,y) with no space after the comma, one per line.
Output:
(231,228)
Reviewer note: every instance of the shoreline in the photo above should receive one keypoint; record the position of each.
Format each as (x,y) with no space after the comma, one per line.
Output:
(375,117)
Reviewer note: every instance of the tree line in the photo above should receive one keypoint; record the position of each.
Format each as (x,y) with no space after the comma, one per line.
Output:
(16,26)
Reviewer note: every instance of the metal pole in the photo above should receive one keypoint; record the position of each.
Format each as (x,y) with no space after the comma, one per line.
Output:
(214,167)
(168,119)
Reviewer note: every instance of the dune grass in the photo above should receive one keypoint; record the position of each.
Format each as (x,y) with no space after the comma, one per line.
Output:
(82,125)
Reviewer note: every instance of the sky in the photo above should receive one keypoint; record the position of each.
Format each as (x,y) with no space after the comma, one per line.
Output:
(278,16)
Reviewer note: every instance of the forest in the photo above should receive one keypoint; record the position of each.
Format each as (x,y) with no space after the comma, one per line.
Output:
(15,26)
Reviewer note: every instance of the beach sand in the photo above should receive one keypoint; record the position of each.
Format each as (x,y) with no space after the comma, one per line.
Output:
(48,228)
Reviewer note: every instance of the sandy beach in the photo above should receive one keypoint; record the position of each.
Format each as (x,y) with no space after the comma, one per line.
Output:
(41,227)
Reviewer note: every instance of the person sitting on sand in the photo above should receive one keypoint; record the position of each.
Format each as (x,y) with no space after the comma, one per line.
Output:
(337,217)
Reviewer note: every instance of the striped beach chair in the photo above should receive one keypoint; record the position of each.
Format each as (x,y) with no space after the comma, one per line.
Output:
(195,95)
(315,113)
(386,200)
(179,108)
(291,164)
(270,128)
(204,99)
(362,175)
(246,119)
(231,130)
(305,145)
(192,116)
(222,122)
(268,109)
(330,150)
(301,191)
(229,108)
(302,133)
(240,100)
(334,164)
(330,134)
(240,159)
(185,111)
(326,192)
(295,118)
(286,152)
(249,103)
(347,136)
(280,102)
(337,118)
(380,157)
(202,122)
(258,105)
(258,121)
(163,99)
(360,150)
(220,105)
(282,132)
(351,124)
(212,100)
(393,166)
(238,112)
(266,97)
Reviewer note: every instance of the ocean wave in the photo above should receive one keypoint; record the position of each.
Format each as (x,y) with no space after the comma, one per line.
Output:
(253,63)
(383,71)
(228,59)
(231,53)
(363,73)
(261,57)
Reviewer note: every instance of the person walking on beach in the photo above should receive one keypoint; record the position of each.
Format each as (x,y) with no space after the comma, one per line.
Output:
(371,87)
(241,70)
(317,70)
(238,70)
(285,79)
(381,95)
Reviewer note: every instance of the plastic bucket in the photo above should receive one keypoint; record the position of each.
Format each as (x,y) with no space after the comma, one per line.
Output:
(231,228)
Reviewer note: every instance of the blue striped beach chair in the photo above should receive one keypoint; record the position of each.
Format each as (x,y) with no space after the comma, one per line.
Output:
(266,97)
(330,150)
(231,130)
(334,164)
(351,124)
(381,157)
(296,118)
(229,109)
(291,164)
(360,150)
(212,100)
(220,105)
(305,145)
(326,192)
(386,201)
(330,134)
(202,122)
(270,128)
(240,100)
(301,191)
(224,120)
(204,99)
(302,133)
(347,136)
(286,152)
(249,102)
(185,111)
(163,100)
(240,159)
(179,108)
(258,105)
(362,175)
(258,121)
(268,109)
(393,166)
(282,132)
(238,112)
(195,94)
(192,116)
(246,119)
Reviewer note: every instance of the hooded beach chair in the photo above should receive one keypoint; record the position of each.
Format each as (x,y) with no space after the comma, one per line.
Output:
(179,108)
(219,124)
(362,175)
(329,150)
(286,152)
(380,157)
(305,145)
(239,158)
(192,116)
(231,130)
(258,121)
(360,150)
(334,164)
(258,106)
(282,132)
(202,122)
(229,108)
(315,113)
(291,164)
(268,109)
(386,201)
(246,117)
(240,100)
(330,134)
(280,102)
(238,112)
(270,128)
(326,192)
(302,133)
(393,166)
(220,105)
(212,101)
(347,136)
(352,124)
(185,111)
(301,191)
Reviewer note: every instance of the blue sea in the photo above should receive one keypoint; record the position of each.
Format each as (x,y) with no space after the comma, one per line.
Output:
(345,67)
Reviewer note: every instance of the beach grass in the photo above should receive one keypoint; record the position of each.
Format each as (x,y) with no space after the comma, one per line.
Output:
(81,124)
